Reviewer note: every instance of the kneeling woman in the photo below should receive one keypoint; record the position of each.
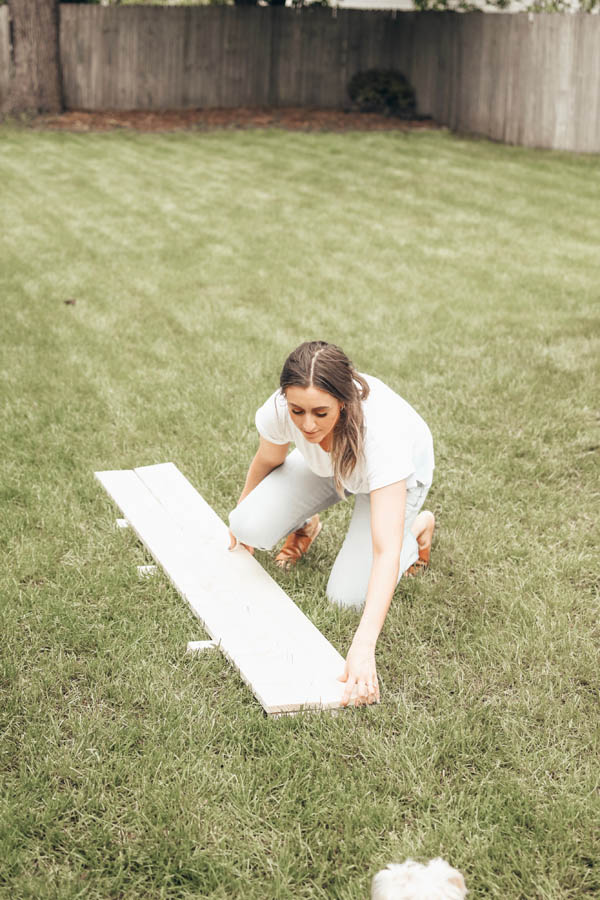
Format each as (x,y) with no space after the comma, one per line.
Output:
(353,435)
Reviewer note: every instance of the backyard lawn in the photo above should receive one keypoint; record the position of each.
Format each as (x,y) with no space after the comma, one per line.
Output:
(463,273)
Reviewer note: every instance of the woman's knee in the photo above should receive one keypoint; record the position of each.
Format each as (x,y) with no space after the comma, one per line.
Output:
(251,526)
(245,527)
(346,591)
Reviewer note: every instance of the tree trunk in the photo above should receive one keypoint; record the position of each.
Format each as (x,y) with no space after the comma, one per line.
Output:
(35,83)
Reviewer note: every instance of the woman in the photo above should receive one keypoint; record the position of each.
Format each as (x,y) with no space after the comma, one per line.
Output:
(353,435)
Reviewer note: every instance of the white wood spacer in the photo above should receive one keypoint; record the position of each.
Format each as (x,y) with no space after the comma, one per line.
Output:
(145,571)
(201,646)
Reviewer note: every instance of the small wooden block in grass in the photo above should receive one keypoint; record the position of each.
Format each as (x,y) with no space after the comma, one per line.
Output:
(200,646)
(279,653)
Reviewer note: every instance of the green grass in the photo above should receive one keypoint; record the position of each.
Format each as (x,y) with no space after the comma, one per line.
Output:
(463,273)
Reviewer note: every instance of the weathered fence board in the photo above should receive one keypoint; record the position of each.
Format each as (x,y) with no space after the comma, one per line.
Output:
(520,79)
(534,82)
(586,103)
(4,54)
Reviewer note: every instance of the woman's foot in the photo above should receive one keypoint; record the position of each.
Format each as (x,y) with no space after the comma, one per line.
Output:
(297,543)
(422,528)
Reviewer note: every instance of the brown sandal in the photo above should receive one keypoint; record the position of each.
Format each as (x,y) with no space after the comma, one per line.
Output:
(422,562)
(297,543)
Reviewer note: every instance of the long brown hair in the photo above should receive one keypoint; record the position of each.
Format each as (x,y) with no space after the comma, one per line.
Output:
(326,367)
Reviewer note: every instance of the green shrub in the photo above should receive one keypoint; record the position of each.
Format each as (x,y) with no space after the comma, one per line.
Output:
(383,91)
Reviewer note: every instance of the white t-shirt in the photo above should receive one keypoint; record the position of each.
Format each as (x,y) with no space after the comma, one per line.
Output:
(397,442)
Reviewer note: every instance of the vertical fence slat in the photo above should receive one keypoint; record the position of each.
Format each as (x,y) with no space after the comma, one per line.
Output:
(417,58)
(512,117)
(401,55)
(565,66)
(586,103)
(4,55)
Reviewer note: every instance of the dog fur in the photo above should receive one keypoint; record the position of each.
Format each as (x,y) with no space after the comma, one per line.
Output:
(413,881)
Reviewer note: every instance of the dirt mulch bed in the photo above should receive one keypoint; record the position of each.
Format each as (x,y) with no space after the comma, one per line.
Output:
(291,118)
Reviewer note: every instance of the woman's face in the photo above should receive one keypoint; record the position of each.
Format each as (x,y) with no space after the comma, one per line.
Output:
(313,411)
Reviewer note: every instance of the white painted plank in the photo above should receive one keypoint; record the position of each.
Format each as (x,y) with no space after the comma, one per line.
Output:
(280,654)
(173,490)
(229,570)
(154,527)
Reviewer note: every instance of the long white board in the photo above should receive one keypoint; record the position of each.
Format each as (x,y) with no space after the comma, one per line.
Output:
(277,650)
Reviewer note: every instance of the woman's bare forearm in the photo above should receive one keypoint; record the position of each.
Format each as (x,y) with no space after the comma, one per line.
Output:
(382,584)
(259,468)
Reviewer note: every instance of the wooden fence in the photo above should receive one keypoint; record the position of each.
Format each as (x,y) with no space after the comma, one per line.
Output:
(525,80)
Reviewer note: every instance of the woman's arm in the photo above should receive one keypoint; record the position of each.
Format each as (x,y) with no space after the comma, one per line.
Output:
(267,457)
(387,529)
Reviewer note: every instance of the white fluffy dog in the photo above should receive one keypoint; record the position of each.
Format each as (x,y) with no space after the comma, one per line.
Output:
(412,881)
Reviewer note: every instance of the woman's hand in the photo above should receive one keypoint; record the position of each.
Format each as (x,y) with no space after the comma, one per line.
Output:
(360,671)
(233,543)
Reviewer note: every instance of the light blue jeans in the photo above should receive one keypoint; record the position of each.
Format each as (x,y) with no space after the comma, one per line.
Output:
(291,494)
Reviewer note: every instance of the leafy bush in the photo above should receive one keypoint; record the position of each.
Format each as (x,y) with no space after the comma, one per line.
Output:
(383,91)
